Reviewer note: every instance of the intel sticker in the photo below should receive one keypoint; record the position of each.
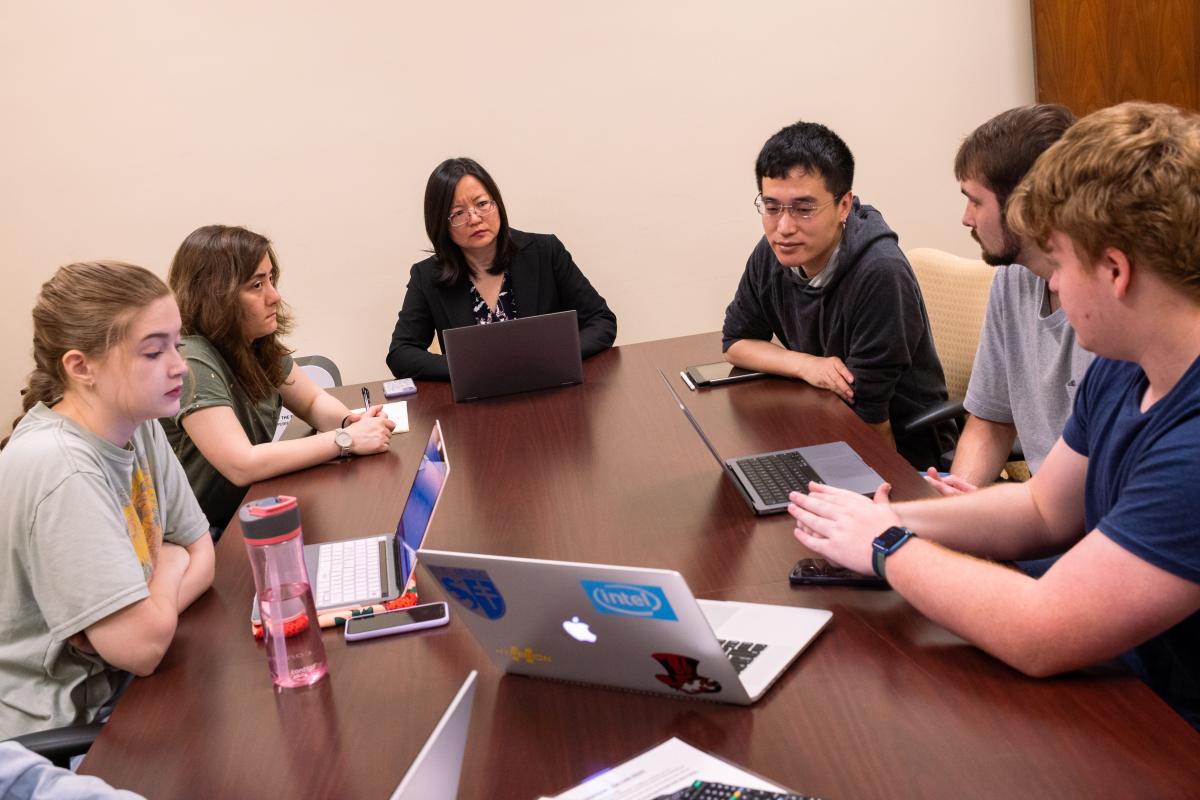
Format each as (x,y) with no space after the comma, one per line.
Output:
(628,600)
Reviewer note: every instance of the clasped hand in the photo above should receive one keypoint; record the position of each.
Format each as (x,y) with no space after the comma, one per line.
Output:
(829,373)
(371,431)
(840,525)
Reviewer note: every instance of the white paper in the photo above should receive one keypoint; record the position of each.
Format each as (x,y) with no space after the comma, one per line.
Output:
(667,768)
(397,412)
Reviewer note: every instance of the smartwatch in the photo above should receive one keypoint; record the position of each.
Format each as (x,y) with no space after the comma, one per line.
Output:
(887,543)
(343,439)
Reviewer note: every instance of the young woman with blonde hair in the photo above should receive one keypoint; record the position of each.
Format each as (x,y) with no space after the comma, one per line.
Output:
(102,543)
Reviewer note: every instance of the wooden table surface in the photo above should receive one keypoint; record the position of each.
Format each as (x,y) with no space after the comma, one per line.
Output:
(883,704)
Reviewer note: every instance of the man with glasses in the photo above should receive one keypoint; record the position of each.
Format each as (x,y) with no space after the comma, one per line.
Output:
(829,281)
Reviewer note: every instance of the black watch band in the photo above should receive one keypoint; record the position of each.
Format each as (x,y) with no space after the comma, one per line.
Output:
(887,543)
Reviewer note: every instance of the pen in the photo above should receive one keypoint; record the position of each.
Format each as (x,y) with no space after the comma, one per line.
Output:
(366,401)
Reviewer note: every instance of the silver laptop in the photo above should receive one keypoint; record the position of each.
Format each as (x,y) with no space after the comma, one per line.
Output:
(517,355)
(357,572)
(435,772)
(766,478)
(625,627)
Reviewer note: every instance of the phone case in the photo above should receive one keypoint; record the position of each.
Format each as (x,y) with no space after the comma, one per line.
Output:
(819,572)
(399,388)
(354,636)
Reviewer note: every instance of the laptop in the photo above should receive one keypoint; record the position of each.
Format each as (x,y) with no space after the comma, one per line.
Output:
(517,355)
(359,572)
(625,627)
(435,772)
(766,479)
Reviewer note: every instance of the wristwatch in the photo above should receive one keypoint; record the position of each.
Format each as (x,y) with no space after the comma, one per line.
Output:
(887,543)
(343,439)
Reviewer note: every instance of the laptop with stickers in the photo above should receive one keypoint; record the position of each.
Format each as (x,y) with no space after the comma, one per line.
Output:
(626,627)
(435,772)
(765,479)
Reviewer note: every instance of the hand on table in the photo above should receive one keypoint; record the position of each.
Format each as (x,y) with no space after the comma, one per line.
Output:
(371,432)
(840,525)
(950,485)
(829,373)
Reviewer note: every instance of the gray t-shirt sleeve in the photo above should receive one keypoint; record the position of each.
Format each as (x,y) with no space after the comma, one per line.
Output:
(988,390)
(82,566)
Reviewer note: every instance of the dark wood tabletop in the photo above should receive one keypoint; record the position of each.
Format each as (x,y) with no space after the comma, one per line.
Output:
(883,704)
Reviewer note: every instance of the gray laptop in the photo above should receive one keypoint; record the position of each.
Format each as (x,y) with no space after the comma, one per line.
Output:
(626,627)
(517,355)
(352,573)
(436,770)
(766,478)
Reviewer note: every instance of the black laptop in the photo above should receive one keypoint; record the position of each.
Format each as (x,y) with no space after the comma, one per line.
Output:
(517,355)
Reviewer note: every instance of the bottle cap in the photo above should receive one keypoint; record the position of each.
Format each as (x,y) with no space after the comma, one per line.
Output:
(270,520)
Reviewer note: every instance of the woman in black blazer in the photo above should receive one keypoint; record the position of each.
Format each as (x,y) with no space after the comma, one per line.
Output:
(482,271)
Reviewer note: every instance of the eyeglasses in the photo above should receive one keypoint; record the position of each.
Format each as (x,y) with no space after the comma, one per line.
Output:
(481,209)
(771,208)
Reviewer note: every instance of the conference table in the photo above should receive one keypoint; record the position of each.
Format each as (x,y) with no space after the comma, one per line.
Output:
(883,704)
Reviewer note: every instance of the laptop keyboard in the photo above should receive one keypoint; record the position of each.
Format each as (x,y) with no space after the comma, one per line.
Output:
(350,571)
(775,475)
(703,790)
(740,654)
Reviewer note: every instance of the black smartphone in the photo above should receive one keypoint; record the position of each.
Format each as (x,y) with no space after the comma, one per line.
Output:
(819,572)
(719,372)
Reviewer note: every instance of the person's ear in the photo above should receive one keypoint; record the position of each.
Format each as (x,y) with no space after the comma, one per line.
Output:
(844,206)
(78,369)
(1117,271)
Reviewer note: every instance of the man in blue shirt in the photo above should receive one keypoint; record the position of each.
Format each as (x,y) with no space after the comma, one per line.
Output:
(1116,205)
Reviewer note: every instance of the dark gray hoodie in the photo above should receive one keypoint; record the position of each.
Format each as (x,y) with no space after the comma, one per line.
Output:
(870,315)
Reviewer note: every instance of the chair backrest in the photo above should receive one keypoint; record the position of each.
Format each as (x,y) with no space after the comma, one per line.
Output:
(324,373)
(956,293)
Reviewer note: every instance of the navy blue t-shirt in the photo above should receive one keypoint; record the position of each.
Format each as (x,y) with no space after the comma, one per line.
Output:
(1140,491)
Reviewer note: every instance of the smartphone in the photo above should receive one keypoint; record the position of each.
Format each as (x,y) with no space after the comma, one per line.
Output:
(413,618)
(399,388)
(718,373)
(819,572)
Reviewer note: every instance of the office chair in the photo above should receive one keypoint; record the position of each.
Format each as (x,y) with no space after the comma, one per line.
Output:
(956,294)
(324,373)
(60,745)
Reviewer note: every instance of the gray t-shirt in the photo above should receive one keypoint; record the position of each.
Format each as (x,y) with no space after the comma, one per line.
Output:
(80,529)
(1028,365)
(210,382)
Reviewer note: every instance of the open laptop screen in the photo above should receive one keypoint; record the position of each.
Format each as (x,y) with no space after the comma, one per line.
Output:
(422,501)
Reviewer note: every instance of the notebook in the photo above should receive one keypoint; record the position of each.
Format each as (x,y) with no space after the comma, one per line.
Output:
(766,478)
(435,772)
(518,355)
(626,627)
(357,573)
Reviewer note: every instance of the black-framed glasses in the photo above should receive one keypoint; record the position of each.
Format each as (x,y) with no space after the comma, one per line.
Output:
(772,208)
(481,209)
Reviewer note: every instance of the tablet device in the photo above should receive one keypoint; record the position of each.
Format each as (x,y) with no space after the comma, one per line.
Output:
(719,372)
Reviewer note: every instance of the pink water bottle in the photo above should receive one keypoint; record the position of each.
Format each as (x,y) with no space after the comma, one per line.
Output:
(295,653)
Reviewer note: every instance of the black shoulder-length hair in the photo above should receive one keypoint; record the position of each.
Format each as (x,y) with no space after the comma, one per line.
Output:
(439,197)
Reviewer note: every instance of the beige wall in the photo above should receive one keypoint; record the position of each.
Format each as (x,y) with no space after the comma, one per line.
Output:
(627,128)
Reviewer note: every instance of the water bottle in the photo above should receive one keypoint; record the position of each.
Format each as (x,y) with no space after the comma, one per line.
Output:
(295,653)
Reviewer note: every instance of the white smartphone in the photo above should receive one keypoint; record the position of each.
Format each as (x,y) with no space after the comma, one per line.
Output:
(413,618)
(399,388)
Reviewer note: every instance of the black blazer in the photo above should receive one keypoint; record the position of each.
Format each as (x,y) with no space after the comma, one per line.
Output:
(544,279)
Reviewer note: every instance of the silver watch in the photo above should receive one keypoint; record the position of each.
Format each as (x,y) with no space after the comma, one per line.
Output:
(343,439)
